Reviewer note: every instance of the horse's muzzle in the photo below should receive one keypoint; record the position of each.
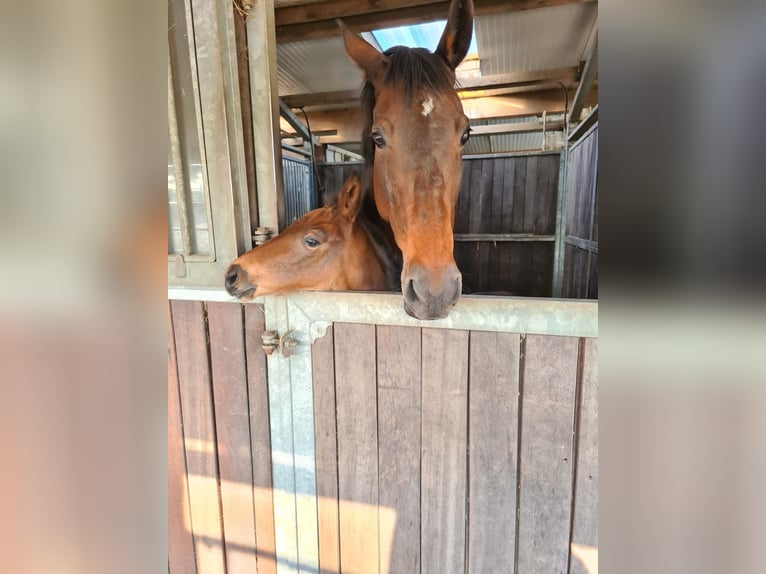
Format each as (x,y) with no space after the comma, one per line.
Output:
(236,282)
(431,293)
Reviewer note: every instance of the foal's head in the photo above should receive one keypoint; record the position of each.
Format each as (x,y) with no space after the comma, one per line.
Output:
(325,250)
(413,136)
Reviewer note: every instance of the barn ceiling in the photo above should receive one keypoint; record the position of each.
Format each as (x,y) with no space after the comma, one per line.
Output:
(523,54)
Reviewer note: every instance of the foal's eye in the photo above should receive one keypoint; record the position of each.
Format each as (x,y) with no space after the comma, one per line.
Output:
(378,140)
(310,242)
(465,136)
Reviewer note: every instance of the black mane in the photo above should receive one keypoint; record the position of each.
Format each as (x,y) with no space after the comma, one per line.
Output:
(381,237)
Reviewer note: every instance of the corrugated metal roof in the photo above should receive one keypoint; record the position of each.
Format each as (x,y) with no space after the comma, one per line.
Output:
(520,41)
(477,144)
(530,40)
(313,66)
(498,143)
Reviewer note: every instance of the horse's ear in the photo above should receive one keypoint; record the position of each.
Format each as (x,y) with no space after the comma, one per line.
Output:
(366,56)
(350,197)
(456,37)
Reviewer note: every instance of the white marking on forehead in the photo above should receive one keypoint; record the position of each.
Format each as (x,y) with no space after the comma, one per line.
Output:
(428,105)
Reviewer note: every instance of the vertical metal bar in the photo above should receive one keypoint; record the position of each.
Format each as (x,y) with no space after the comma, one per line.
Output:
(191,39)
(291,417)
(234,122)
(558,248)
(261,45)
(282,445)
(594,171)
(178,170)
(302,393)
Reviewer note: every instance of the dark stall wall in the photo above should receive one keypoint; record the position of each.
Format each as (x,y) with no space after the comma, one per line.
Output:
(331,178)
(505,220)
(581,215)
(511,203)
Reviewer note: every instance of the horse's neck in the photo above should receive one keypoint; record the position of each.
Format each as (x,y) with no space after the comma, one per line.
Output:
(381,238)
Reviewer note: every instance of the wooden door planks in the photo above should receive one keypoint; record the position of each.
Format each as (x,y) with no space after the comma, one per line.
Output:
(199,434)
(260,439)
(492,438)
(355,380)
(443,458)
(585,519)
(399,409)
(222,407)
(423,474)
(323,373)
(180,539)
(545,481)
(232,411)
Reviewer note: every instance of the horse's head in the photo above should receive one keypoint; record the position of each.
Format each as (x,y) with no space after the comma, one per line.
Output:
(325,250)
(413,136)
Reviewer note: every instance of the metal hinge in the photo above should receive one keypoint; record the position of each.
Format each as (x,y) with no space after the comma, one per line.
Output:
(261,235)
(272,341)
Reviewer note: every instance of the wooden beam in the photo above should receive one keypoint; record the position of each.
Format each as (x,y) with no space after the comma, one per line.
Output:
(348,121)
(586,83)
(531,80)
(317,11)
(349,99)
(295,150)
(521,128)
(322,98)
(528,104)
(532,88)
(316,134)
(518,79)
(317,20)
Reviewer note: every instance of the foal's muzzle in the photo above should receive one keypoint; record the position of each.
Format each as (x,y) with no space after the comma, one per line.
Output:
(236,282)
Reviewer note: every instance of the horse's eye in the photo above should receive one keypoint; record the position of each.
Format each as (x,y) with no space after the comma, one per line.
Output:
(310,242)
(465,136)
(378,140)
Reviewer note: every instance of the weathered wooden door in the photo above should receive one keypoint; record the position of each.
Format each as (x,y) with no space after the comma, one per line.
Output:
(461,445)
(368,441)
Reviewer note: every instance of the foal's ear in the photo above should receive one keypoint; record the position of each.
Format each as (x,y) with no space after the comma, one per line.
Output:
(456,38)
(366,56)
(350,198)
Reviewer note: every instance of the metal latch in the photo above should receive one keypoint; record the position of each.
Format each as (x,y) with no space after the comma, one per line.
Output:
(261,235)
(272,341)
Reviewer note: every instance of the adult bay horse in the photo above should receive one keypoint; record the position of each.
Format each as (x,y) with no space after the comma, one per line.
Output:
(334,248)
(414,130)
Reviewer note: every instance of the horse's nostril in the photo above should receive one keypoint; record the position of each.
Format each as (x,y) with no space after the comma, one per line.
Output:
(409,291)
(458,285)
(231,277)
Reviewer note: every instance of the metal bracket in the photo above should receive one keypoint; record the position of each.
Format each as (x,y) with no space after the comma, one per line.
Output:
(286,344)
(318,329)
(180,270)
